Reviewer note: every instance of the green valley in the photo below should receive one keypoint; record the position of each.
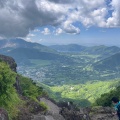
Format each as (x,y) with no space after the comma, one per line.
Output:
(73,72)
(81,94)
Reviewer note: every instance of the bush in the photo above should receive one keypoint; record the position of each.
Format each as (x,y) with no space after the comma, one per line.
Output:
(8,95)
(44,106)
(105,99)
(29,88)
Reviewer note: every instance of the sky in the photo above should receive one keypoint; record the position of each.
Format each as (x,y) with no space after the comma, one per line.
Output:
(48,22)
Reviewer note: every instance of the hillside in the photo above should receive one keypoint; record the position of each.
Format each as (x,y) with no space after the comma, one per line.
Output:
(8,44)
(111,63)
(68,48)
(81,94)
(23,51)
(25,54)
(103,51)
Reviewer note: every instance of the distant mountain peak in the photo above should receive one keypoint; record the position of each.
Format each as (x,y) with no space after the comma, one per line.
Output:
(21,43)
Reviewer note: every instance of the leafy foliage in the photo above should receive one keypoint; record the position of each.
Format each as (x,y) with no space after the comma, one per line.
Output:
(105,99)
(29,88)
(43,105)
(8,96)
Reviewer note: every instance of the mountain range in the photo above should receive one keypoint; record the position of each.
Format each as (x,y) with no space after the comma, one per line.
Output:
(22,51)
(9,45)
(20,43)
(62,64)
(101,50)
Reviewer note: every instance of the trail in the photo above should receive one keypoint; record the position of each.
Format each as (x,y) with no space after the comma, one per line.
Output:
(52,107)
(51,114)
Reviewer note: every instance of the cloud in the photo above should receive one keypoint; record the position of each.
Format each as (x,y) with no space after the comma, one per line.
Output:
(59,31)
(1,38)
(62,1)
(114,20)
(19,17)
(31,35)
(46,31)
(69,28)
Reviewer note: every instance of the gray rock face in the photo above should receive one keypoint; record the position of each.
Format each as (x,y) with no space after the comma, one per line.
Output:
(10,61)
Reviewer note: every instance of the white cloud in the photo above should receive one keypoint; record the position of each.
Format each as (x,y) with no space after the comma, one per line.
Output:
(69,28)
(28,39)
(46,31)
(59,31)
(19,17)
(114,20)
(31,35)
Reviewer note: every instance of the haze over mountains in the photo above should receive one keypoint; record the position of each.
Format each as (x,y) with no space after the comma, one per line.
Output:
(63,64)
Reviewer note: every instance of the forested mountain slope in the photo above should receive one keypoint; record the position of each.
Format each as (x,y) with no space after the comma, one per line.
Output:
(111,63)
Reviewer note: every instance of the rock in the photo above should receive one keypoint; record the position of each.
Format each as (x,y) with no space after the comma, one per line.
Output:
(52,107)
(48,117)
(95,113)
(10,61)
(51,114)
(102,113)
(3,114)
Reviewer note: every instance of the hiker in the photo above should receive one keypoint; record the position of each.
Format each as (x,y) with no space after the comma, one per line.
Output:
(116,103)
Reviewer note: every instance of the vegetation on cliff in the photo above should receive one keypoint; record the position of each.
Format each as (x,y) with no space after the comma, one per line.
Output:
(9,97)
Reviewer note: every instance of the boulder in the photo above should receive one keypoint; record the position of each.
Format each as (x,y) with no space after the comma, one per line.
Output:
(10,61)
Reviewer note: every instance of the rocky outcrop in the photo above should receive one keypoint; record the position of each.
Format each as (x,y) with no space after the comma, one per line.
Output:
(53,112)
(65,113)
(95,113)
(102,113)
(10,61)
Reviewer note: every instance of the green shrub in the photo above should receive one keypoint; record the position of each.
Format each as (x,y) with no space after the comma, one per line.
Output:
(44,106)
(8,95)
(29,88)
(105,99)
